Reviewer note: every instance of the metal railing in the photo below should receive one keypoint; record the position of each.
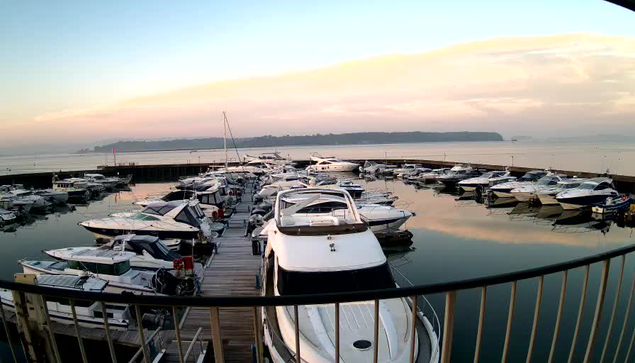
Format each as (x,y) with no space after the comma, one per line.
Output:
(406,290)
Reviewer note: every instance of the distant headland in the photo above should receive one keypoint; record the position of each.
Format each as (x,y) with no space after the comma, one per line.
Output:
(355,138)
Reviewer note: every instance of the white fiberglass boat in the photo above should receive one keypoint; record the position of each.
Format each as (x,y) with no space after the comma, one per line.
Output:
(504,190)
(166,220)
(486,180)
(528,192)
(313,252)
(548,195)
(591,192)
(89,313)
(7,217)
(330,164)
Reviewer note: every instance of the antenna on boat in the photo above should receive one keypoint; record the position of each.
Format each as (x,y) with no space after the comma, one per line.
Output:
(225,137)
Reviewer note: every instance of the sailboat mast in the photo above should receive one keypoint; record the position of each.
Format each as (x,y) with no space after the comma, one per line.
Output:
(225,138)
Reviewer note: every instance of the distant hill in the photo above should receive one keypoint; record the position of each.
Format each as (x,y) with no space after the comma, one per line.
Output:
(318,139)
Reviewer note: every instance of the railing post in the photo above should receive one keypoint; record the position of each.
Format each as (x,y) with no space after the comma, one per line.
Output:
(26,331)
(376,333)
(217,341)
(615,305)
(536,317)
(337,332)
(580,312)
(413,333)
(258,335)
(82,351)
(177,332)
(556,330)
(8,333)
(598,310)
(481,321)
(448,326)
(626,319)
(111,346)
(142,338)
(510,319)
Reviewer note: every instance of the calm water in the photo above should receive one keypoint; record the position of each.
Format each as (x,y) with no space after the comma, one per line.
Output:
(618,157)
(452,240)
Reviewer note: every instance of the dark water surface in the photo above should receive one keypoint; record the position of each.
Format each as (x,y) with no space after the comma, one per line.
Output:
(453,239)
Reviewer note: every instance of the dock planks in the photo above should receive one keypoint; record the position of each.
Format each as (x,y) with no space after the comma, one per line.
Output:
(232,271)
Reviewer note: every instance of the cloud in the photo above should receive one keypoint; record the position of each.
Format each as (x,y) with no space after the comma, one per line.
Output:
(500,84)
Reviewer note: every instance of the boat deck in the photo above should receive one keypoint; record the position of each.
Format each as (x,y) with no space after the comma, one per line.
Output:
(231,270)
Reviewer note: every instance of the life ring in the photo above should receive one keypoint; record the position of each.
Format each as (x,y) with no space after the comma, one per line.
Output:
(178,264)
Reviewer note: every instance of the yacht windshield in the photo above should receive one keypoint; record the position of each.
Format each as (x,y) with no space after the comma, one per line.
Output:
(588,186)
(302,283)
(547,181)
(187,217)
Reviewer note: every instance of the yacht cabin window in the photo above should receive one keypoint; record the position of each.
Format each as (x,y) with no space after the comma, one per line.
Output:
(116,269)
(186,216)
(303,283)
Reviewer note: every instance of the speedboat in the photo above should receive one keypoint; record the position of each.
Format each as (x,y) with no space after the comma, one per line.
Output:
(108,183)
(151,253)
(7,217)
(381,218)
(591,192)
(406,169)
(456,174)
(330,163)
(354,189)
(114,267)
(88,313)
(413,176)
(528,192)
(166,220)
(371,167)
(314,252)
(432,176)
(486,180)
(53,196)
(22,196)
(504,190)
(548,195)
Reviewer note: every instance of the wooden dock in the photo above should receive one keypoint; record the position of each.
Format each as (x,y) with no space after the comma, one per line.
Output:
(231,270)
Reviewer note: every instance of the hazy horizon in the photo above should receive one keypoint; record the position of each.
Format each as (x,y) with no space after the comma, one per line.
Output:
(79,75)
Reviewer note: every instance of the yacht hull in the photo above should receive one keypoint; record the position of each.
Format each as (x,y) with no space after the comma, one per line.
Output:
(581,202)
(162,234)
(547,199)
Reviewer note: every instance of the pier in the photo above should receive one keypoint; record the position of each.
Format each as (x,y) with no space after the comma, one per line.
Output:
(231,270)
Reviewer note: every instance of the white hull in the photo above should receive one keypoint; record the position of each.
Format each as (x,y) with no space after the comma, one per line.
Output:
(567,206)
(334,168)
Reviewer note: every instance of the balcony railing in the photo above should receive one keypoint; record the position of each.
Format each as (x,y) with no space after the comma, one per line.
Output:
(594,350)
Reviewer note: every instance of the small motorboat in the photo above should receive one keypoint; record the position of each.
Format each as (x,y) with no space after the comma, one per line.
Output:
(7,217)
(457,174)
(613,205)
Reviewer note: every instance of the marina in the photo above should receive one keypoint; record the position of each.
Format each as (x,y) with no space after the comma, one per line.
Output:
(431,219)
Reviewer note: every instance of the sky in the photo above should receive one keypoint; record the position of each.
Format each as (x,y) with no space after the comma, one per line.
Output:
(84,71)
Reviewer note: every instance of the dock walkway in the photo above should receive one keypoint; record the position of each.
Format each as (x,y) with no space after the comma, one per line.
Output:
(232,270)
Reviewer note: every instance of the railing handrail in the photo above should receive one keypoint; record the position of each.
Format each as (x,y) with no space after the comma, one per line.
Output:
(341,297)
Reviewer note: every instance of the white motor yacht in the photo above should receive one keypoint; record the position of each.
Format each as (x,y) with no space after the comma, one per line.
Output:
(406,169)
(166,220)
(589,193)
(486,180)
(112,266)
(53,196)
(504,190)
(432,176)
(108,183)
(528,192)
(548,196)
(313,252)
(7,217)
(371,167)
(382,217)
(150,252)
(89,313)
(19,195)
(413,176)
(354,189)
(456,174)
(330,163)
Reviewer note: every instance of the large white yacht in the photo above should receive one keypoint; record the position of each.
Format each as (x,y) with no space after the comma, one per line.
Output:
(182,220)
(528,192)
(89,313)
(330,163)
(504,190)
(456,174)
(548,196)
(591,192)
(313,252)
(432,176)
(486,180)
